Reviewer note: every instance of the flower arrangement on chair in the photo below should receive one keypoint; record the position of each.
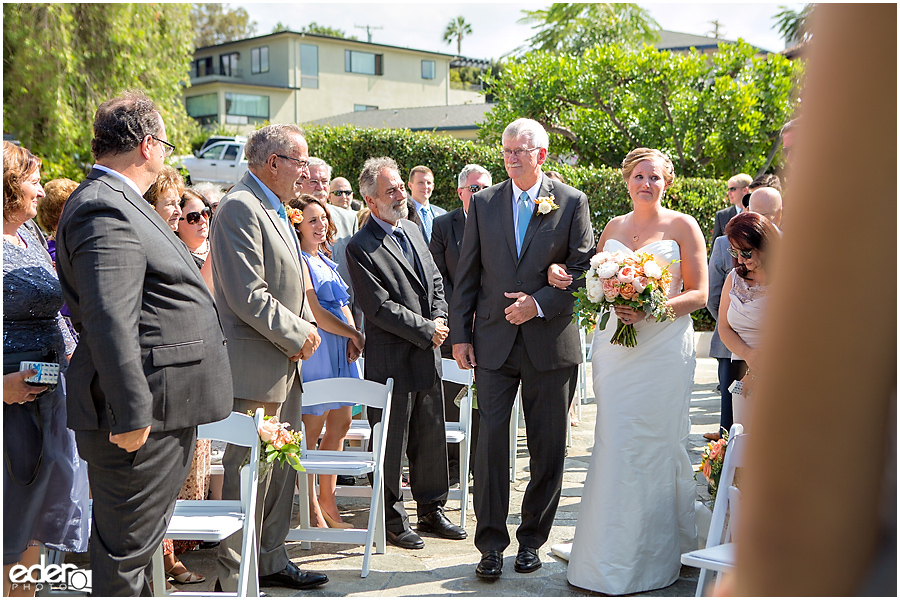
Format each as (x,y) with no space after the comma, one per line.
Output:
(712,462)
(279,443)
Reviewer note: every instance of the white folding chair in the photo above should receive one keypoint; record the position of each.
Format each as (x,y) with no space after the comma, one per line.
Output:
(514,433)
(460,432)
(215,520)
(719,554)
(347,462)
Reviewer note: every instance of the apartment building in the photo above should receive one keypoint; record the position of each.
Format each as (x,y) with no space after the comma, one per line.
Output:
(290,77)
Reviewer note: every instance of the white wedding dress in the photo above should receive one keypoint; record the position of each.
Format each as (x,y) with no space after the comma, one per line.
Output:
(637,507)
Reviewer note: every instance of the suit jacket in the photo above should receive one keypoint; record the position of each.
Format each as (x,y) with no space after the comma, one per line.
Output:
(417,219)
(722,218)
(720,265)
(399,306)
(151,350)
(345,222)
(446,241)
(258,281)
(488,267)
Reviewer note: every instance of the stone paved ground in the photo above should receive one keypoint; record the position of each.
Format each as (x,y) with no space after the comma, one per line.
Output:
(447,567)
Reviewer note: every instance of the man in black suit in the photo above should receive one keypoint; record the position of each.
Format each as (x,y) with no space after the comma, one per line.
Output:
(446,240)
(151,364)
(737,187)
(399,289)
(523,333)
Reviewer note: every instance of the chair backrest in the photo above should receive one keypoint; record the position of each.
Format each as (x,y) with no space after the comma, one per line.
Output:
(726,497)
(454,374)
(242,430)
(346,389)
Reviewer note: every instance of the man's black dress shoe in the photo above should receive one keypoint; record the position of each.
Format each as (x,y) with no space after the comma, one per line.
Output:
(293,577)
(490,566)
(346,480)
(527,560)
(436,522)
(406,539)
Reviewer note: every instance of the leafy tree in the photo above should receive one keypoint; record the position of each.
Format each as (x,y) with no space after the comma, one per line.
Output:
(714,115)
(215,24)
(457,29)
(325,30)
(575,27)
(794,26)
(279,27)
(60,61)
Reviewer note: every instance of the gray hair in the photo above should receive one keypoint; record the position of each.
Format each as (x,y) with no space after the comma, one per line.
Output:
(211,191)
(468,170)
(531,129)
(318,162)
(269,140)
(368,179)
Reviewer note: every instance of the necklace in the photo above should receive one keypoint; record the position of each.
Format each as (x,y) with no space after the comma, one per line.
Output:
(634,227)
(202,250)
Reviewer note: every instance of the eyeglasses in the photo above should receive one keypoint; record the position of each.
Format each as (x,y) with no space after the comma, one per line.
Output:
(167,147)
(476,188)
(322,183)
(745,254)
(194,217)
(732,189)
(342,192)
(519,152)
(303,164)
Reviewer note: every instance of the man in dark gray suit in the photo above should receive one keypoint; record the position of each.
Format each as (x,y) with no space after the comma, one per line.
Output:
(737,188)
(421,211)
(523,333)
(259,286)
(446,240)
(399,289)
(151,364)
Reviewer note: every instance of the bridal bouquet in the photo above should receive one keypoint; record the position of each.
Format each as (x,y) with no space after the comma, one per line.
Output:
(623,279)
(712,462)
(279,443)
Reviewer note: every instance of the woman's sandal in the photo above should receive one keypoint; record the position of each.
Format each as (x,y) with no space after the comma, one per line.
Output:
(186,576)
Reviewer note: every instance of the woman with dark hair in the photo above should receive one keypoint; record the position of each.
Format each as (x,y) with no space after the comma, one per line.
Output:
(45,487)
(193,225)
(337,353)
(744,298)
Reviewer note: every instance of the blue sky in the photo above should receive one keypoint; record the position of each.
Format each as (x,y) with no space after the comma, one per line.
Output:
(495,32)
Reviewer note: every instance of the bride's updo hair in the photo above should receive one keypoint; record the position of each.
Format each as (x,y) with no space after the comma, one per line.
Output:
(750,231)
(639,154)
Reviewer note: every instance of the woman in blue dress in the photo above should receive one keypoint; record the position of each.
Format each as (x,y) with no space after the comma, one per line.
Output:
(336,355)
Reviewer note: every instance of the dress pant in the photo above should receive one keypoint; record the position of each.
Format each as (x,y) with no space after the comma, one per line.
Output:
(274,500)
(416,429)
(546,397)
(726,418)
(133,498)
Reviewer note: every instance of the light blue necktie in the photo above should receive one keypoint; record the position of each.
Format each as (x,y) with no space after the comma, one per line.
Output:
(283,215)
(524,218)
(426,222)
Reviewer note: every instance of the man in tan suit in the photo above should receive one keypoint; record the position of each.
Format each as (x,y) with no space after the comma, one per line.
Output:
(259,286)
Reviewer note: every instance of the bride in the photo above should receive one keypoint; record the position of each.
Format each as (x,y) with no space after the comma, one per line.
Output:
(637,509)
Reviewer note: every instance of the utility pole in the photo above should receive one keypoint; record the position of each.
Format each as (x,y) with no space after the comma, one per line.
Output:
(716,26)
(368,29)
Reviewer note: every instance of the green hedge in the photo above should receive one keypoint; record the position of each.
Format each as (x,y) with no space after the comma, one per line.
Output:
(346,148)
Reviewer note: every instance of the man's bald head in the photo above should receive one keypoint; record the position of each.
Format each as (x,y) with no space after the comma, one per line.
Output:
(767,202)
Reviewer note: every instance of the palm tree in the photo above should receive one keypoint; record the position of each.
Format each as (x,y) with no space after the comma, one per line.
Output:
(457,28)
(794,26)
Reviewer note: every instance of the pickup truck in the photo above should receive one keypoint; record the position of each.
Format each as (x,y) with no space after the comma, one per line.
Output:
(223,163)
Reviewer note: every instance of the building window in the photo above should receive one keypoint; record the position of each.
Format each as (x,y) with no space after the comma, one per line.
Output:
(364,63)
(243,109)
(309,66)
(362,107)
(203,67)
(259,60)
(428,69)
(228,64)
(205,108)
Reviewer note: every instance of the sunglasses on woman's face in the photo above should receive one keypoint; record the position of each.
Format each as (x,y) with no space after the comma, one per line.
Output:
(194,217)
(745,254)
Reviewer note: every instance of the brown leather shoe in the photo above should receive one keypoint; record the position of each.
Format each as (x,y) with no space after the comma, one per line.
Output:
(713,437)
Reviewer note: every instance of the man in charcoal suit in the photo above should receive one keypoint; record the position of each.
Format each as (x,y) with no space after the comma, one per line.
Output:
(522,333)
(737,188)
(421,211)
(446,241)
(151,364)
(399,289)
(259,286)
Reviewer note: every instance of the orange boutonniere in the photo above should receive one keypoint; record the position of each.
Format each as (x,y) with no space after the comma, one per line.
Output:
(295,215)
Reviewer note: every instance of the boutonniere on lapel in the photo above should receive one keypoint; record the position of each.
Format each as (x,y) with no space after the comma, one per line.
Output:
(295,215)
(544,204)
